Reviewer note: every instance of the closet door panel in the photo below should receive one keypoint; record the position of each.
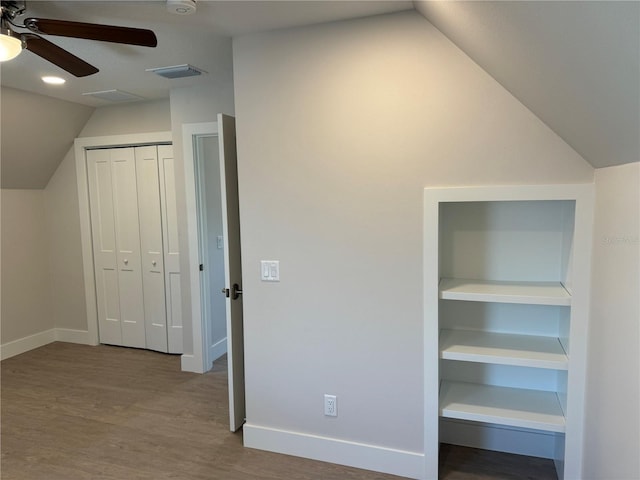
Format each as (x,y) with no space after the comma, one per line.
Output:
(128,246)
(171,248)
(150,214)
(111,302)
(104,245)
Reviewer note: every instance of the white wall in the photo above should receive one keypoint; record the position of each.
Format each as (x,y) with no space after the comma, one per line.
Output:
(125,118)
(37,131)
(68,305)
(612,437)
(26,300)
(340,127)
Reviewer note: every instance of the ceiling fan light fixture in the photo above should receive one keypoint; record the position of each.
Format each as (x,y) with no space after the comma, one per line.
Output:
(10,45)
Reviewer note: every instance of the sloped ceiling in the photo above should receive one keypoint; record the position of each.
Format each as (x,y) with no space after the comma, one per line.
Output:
(202,39)
(37,132)
(575,64)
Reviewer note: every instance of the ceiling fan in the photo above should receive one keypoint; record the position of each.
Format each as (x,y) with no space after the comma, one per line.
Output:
(12,41)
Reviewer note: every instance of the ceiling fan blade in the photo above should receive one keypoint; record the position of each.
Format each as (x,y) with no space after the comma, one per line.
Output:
(58,56)
(93,31)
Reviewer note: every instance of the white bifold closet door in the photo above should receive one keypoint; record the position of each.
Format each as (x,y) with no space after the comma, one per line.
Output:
(134,227)
(168,202)
(116,246)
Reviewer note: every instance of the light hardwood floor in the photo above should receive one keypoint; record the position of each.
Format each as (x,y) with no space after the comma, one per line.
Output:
(78,412)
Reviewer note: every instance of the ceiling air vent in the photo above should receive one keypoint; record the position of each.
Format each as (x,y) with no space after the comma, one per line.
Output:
(177,71)
(114,96)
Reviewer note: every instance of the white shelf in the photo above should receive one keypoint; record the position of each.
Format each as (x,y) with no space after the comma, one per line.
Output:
(502,406)
(503,349)
(532,293)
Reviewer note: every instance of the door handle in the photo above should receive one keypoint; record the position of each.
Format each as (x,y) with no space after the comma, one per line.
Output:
(234,293)
(237,291)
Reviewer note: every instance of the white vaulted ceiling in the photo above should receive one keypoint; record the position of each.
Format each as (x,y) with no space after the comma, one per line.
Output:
(575,64)
(39,127)
(202,39)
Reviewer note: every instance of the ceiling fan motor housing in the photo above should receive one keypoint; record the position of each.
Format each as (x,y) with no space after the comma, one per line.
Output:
(181,7)
(10,9)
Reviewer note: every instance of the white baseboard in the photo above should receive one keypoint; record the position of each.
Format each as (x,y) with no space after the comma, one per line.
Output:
(534,443)
(218,349)
(72,336)
(358,455)
(188,363)
(31,342)
(40,339)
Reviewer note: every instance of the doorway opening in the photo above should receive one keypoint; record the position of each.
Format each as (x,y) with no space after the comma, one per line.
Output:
(210,246)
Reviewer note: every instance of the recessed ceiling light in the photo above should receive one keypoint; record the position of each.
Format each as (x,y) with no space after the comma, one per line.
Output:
(53,80)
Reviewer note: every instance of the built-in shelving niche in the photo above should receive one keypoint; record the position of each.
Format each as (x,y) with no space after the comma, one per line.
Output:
(501,267)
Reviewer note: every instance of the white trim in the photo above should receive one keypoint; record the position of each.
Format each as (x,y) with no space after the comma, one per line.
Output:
(188,363)
(80,146)
(125,140)
(40,339)
(500,193)
(333,450)
(72,336)
(189,130)
(31,342)
(431,334)
(218,349)
(583,195)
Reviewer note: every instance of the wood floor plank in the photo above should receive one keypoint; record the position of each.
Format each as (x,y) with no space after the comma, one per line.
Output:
(76,412)
(79,412)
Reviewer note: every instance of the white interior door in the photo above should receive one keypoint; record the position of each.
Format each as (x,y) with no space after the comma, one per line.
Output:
(173,293)
(148,182)
(114,212)
(104,245)
(232,267)
(125,201)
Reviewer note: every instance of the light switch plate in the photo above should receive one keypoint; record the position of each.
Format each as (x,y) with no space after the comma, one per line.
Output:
(220,242)
(270,270)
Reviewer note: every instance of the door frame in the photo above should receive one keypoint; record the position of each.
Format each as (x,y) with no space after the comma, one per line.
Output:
(81,145)
(200,362)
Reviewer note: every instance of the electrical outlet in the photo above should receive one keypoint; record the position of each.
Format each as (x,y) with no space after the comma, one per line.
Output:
(330,405)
